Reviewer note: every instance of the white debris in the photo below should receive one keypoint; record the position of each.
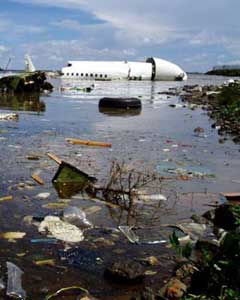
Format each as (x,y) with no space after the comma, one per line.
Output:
(61,230)
(8,116)
(43,195)
(76,216)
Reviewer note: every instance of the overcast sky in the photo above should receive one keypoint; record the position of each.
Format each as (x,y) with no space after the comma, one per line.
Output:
(194,34)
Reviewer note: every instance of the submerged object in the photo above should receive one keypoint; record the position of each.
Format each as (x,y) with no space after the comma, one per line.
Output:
(61,230)
(153,69)
(14,284)
(69,180)
(126,103)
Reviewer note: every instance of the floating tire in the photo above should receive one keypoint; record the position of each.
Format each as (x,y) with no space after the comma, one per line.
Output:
(122,103)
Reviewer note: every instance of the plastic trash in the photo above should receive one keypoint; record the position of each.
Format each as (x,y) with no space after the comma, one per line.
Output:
(130,235)
(68,180)
(61,230)
(2,284)
(76,216)
(14,284)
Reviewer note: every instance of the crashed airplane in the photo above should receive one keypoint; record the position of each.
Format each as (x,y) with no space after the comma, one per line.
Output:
(152,69)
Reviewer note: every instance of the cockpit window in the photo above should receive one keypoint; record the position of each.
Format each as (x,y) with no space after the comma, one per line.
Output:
(69,65)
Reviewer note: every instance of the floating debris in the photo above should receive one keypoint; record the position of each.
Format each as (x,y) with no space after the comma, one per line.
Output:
(129,234)
(14,284)
(88,143)
(9,116)
(66,289)
(12,235)
(43,195)
(76,216)
(44,262)
(54,205)
(61,230)
(37,178)
(6,198)
(69,180)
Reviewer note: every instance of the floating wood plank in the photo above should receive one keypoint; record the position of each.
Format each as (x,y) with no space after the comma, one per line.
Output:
(12,235)
(37,178)
(55,158)
(88,143)
(232,196)
(6,198)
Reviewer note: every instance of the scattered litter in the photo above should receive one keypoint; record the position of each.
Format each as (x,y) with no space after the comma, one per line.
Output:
(37,178)
(129,234)
(151,197)
(6,198)
(69,180)
(12,235)
(54,205)
(76,216)
(66,289)
(33,157)
(2,284)
(9,116)
(43,195)
(88,143)
(44,241)
(14,284)
(61,230)
(44,262)
(54,157)
(81,258)
(151,260)
(150,273)
(191,171)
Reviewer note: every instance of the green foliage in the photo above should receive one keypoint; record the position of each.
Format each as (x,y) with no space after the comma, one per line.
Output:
(184,251)
(225,72)
(236,211)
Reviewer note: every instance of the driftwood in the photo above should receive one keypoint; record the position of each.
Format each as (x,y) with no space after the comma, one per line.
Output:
(88,143)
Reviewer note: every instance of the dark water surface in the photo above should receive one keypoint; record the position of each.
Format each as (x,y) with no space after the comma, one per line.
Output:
(158,137)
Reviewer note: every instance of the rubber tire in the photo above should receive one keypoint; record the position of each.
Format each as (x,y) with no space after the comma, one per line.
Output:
(127,103)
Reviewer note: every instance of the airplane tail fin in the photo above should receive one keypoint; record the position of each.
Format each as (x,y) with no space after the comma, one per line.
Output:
(29,65)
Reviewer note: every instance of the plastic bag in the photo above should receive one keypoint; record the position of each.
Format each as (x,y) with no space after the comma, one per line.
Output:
(14,284)
(76,216)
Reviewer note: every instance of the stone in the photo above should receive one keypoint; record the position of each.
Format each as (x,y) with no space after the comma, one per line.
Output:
(174,289)
(125,271)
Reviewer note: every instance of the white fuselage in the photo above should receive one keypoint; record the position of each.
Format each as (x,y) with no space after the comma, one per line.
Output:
(153,69)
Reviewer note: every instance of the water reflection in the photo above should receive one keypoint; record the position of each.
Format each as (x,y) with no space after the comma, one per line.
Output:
(120,112)
(22,102)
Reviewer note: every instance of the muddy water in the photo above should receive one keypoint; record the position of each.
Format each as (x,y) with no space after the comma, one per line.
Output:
(157,138)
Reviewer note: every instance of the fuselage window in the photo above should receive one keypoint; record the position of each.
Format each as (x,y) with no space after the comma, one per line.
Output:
(77,74)
(82,74)
(67,74)
(105,76)
(101,75)
(91,75)
(86,74)
(96,75)
(72,74)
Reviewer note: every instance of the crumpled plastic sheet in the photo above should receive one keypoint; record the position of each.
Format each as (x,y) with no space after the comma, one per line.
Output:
(76,216)
(14,284)
(61,230)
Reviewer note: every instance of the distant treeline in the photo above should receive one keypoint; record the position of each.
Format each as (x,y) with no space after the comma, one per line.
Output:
(225,72)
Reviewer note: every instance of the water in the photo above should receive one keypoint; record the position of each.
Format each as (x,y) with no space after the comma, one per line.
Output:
(157,137)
